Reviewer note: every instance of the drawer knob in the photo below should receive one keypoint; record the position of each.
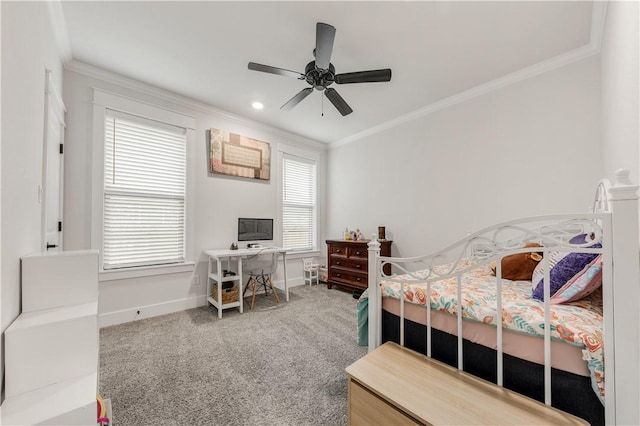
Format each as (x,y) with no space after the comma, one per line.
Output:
(358,266)
(337,263)
(357,253)
(337,275)
(358,279)
(337,250)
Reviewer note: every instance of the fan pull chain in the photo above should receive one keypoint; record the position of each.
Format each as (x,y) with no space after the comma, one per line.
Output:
(322,102)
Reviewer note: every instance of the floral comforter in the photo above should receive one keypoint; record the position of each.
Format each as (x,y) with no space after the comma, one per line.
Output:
(578,323)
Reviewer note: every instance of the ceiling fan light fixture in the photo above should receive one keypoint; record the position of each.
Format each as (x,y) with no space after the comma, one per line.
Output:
(257,105)
(321,73)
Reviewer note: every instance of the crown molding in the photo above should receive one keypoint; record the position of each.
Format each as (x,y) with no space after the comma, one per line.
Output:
(598,18)
(59,27)
(183,101)
(482,89)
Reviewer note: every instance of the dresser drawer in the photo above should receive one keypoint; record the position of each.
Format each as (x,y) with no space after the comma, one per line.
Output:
(348,276)
(359,252)
(349,263)
(340,249)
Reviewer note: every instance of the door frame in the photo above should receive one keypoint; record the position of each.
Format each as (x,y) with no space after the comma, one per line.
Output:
(53,105)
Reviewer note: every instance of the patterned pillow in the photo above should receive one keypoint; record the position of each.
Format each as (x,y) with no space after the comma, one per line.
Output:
(581,285)
(563,266)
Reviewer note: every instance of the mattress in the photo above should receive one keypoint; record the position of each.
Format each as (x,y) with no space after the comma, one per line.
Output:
(576,328)
(563,357)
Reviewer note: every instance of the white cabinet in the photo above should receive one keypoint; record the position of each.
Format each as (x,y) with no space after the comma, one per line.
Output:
(56,279)
(51,349)
(50,346)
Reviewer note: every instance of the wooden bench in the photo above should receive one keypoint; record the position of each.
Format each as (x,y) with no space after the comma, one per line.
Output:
(394,385)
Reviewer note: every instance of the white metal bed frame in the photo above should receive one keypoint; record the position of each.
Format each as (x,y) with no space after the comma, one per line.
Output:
(614,223)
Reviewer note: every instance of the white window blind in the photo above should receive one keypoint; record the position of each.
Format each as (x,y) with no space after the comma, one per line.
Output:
(144,192)
(298,203)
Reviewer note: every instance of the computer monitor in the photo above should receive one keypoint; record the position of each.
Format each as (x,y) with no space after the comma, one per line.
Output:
(250,229)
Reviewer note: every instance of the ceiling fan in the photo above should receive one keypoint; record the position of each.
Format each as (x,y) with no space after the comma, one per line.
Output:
(321,73)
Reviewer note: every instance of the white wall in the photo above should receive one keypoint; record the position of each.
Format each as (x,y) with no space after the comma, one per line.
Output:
(28,48)
(527,149)
(620,89)
(219,200)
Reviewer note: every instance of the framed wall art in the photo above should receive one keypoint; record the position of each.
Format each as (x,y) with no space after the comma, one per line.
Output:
(236,155)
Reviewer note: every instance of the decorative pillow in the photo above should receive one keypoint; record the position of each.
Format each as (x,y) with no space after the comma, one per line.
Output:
(583,284)
(563,267)
(519,266)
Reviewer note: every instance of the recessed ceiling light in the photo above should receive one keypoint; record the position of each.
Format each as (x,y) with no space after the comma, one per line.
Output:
(257,105)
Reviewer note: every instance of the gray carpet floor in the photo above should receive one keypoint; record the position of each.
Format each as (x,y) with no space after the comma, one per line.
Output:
(280,364)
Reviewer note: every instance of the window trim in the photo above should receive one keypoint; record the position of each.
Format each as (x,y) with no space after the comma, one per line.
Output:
(310,156)
(103,100)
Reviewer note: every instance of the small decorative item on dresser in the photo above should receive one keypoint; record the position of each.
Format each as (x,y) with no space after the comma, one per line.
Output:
(381,233)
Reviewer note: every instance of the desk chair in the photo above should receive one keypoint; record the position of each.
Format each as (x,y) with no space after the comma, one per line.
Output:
(261,268)
(310,271)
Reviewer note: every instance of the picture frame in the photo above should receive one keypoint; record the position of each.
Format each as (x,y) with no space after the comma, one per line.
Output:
(236,155)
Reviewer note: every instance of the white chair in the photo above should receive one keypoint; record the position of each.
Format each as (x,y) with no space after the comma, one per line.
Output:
(310,271)
(261,269)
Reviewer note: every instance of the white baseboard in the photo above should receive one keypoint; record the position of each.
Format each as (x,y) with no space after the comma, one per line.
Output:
(128,315)
(291,282)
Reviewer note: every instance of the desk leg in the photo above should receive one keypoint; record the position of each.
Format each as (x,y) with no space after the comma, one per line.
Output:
(219,288)
(240,299)
(284,266)
(209,285)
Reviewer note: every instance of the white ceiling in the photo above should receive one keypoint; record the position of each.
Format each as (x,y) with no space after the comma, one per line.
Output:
(435,50)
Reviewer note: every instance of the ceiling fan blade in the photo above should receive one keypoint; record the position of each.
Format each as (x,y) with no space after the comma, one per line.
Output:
(338,102)
(372,76)
(273,70)
(297,99)
(325,34)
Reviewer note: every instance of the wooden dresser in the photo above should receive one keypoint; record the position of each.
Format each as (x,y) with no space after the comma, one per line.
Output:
(395,386)
(348,263)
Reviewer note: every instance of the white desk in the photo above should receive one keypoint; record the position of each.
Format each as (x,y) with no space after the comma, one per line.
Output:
(217,256)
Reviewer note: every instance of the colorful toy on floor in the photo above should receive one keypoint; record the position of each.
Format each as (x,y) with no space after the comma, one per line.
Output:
(103,420)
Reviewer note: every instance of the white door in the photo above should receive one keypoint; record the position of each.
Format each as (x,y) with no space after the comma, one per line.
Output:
(53,168)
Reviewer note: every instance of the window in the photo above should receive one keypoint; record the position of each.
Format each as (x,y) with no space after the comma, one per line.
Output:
(299,210)
(144,192)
